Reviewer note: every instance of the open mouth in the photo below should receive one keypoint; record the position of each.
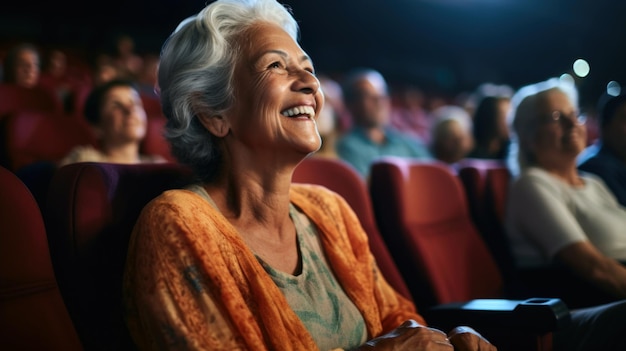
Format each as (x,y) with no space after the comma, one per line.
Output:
(299,112)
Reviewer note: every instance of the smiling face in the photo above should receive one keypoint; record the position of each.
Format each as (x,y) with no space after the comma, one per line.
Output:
(558,134)
(277,96)
(122,116)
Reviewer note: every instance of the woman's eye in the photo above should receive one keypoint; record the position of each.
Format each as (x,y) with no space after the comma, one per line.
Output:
(275,65)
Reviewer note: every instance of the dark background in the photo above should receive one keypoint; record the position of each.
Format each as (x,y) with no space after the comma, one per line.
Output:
(444,45)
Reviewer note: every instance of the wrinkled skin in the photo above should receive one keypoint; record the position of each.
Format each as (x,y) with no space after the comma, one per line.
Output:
(415,337)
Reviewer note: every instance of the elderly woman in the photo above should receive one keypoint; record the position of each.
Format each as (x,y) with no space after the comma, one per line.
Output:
(244,260)
(556,214)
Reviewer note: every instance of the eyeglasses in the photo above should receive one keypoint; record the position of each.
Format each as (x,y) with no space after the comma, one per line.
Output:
(573,118)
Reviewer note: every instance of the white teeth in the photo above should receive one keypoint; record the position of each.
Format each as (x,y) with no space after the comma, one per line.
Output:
(299,110)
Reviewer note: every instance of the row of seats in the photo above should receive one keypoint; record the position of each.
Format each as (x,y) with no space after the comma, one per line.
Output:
(90,209)
(30,136)
(486,185)
(16,98)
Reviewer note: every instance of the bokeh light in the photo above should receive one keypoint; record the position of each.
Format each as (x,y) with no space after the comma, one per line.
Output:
(581,68)
(613,88)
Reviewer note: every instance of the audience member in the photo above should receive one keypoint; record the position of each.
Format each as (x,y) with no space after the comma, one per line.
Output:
(490,128)
(451,134)
(105,70)
(367,98)
(22,66)
(147,80)
(57,78)
(115,111)
(248,260)
(333,96)
(409,113)
(54,74)
(556,214)
(127,61)
(609,160)
(328,121)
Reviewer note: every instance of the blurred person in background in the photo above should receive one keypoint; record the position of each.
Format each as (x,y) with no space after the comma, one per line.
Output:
(115,111)
(328,121)
(556,214)
(490,128)
(367,98)
(127,61)
(409,113)
(451,134)
(608,161)
(22,66)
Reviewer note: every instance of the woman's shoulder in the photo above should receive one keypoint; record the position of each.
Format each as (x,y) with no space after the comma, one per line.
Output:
(532,175)
(83,153)
(535,178)
(177,200)
(313,190)
(152,158)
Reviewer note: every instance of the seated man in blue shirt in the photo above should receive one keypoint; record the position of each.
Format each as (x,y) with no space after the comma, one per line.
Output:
(367,98)
(609,162)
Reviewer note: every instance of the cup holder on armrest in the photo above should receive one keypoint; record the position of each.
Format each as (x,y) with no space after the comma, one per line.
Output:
(536,315)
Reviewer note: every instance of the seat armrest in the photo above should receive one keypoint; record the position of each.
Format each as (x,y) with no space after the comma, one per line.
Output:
(535,315)
(512,325)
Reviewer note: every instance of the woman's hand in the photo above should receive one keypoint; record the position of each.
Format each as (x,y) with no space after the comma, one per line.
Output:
(412,336)
(467,339)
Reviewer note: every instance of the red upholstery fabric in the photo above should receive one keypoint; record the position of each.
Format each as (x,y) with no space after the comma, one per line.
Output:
(551,281)
(33,315)
(497,186)
(152,105)
(155,143)
(32,136)
(14,98)
(343,179)
(91,210)
(422,211)
(486,184)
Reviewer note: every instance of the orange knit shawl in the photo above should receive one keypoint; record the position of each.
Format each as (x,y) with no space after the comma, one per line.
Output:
(191,282)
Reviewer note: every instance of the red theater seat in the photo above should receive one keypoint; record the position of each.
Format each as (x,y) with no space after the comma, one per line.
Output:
(487,186)
(423,214)
(91,210)
(155,143)
(14,98)
(486,183)
(343,179)
(32,136)
(33,315)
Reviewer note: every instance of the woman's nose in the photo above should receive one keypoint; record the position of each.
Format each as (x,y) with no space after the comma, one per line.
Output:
(307,82)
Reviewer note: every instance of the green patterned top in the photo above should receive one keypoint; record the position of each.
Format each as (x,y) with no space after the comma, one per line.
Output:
(316,296)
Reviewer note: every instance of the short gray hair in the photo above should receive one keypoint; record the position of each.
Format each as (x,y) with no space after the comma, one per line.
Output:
(523,117)
(196,73)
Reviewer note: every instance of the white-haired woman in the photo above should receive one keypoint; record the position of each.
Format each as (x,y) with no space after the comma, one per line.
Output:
(556,214)
(245,260)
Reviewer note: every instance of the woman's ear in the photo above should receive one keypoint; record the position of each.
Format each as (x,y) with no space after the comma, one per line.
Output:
(216,124)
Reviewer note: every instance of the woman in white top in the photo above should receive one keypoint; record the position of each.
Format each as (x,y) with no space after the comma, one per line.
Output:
(556,213)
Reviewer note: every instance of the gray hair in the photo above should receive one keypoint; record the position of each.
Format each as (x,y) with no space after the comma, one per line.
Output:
(196,74)
(523,118)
